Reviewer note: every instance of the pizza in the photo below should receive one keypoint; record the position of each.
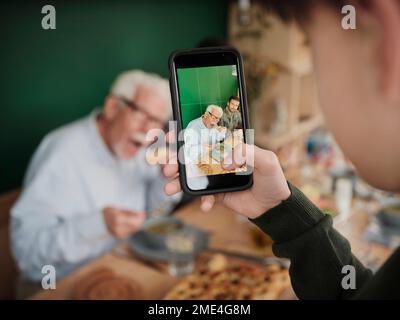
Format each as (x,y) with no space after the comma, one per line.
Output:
(220,279)
(205,169)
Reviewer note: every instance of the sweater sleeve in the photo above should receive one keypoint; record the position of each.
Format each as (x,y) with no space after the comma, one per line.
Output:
(317,252)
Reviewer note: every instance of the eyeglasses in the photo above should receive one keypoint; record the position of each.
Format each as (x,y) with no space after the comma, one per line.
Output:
(213,117)
(133,106)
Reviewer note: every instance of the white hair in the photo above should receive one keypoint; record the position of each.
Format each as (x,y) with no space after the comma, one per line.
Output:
(127,83)
(212,107)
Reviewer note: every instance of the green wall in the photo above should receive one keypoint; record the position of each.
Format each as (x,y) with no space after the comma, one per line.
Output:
(200,87)
(51,77)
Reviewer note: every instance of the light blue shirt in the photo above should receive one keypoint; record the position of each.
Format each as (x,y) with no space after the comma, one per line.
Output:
(72,176)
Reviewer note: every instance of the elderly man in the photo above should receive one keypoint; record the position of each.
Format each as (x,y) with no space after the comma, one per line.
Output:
(203,133)
(232,119)
(88,183)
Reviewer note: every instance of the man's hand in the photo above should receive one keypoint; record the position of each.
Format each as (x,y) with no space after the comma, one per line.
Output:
(269,187)
(122,223)
(221,129)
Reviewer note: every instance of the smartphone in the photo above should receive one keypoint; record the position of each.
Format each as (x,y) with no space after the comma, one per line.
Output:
(210,109)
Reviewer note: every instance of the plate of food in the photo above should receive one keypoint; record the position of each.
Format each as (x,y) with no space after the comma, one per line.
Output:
(150,242)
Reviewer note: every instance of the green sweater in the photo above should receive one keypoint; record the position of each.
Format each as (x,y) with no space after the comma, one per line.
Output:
(317,253)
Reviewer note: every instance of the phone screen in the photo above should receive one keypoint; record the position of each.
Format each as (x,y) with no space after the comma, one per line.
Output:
(212,119)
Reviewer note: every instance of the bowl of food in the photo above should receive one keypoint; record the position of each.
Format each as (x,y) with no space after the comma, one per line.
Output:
(154,231)
(390,211)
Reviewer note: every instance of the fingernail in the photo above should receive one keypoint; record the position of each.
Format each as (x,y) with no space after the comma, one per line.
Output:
(205,206)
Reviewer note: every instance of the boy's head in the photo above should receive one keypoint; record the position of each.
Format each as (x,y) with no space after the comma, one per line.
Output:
(358,79)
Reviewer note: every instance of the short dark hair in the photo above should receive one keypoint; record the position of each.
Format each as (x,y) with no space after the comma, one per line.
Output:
(233,98)
(298,9)
(212,42)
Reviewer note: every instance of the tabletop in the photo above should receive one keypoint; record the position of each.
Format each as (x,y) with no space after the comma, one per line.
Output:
(228,230)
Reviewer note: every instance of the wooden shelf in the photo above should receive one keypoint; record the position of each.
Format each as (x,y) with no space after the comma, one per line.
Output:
(276,141)
(285,97)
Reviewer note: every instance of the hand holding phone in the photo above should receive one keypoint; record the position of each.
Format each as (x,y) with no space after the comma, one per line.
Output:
(209,101)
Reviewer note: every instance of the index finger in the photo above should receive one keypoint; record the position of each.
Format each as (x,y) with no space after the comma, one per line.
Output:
(171,168)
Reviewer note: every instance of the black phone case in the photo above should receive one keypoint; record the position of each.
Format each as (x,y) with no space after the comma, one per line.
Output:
(177,116)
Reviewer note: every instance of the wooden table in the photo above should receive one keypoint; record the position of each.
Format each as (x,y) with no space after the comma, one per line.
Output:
(227,230)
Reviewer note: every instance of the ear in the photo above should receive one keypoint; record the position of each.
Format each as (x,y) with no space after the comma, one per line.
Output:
(111,107)
(387,13)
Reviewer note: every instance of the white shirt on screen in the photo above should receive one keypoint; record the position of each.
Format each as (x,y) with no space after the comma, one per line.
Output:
(196,136)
